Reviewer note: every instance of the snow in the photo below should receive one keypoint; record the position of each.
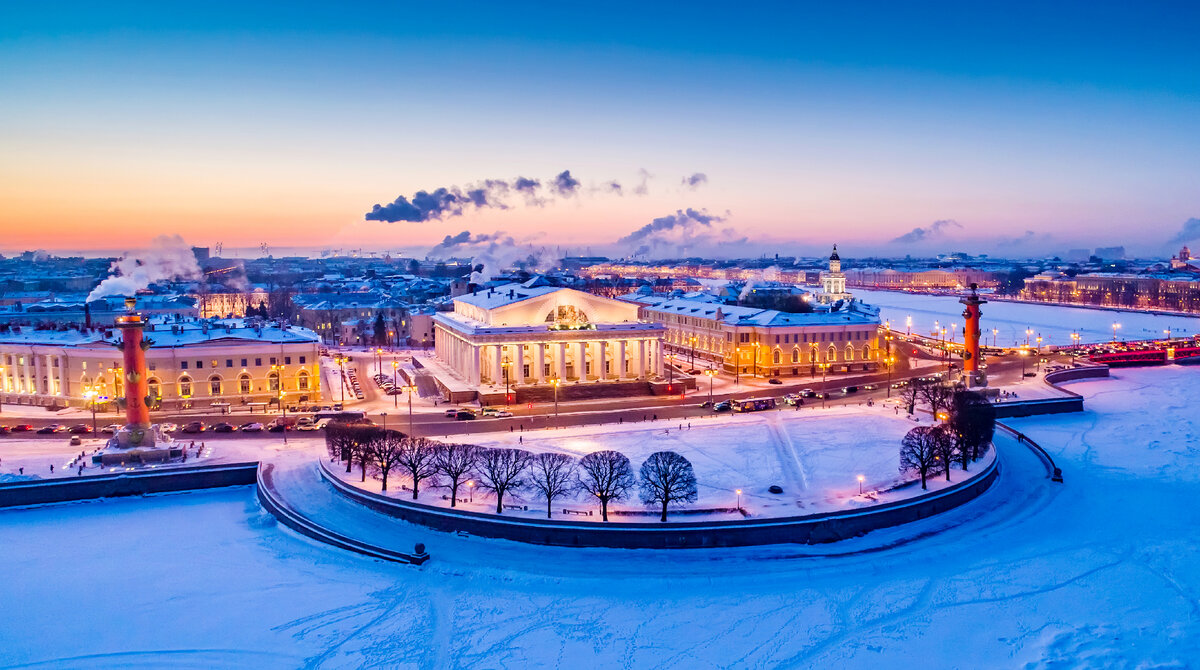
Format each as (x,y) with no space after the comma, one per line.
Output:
(1053,322)
(1101,571)
(814,455)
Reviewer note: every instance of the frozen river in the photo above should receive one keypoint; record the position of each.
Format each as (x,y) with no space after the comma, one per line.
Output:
(1054,323)
(1102,571)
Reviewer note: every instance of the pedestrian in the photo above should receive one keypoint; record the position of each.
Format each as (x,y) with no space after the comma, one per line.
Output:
(689,425)
(521,439)
(80,471)
(51,468)
(656,417)
(21,471)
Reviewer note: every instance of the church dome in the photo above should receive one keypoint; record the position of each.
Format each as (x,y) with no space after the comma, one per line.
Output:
(834,256)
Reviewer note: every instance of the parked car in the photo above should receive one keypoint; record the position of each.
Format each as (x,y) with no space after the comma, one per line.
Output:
(451,413)
(5,430)
(75,441)
(252,427)
(80,429)
(111,429)
(193,427)
(223,427)
(808,393)
(849,389)
(465,415)
(306,423)
(22,427)
(706,404)
(168,427)
(870,387)
(51,429)
(774,380)
(723,406)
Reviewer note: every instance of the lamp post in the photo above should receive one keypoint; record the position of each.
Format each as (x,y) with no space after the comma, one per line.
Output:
(471,489)
(1024,355)
(1115,326)
(411,389)
(384,416)
(824,392)
(341,361)
(995,333)
(1028,334)
(739,498)
(1168,332)
(504,365)
(890,361)
(860,483)
(710,373)
(283,406)
(692,364)
(555,382)
(908,325)
(90,394)
(395,397)
(737,364)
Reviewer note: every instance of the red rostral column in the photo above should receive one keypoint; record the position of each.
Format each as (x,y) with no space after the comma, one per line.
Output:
(972,375)
(137,414)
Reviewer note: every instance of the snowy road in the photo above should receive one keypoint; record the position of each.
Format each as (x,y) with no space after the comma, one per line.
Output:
(1103,571)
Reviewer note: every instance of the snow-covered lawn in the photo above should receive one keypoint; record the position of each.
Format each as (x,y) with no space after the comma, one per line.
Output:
(815,455)
(1102,571)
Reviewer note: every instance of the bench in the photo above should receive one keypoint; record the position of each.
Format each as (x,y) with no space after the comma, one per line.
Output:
(579,512)
(524,508)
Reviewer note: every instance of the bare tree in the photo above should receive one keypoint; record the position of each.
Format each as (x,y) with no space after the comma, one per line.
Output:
(667,478)
(945,447)
(383,450)
(339,439)
(973,422)
(455,462)
(552,476)
(911,394)
(500,471)
(917,453)
(937,396)
(606,475)
(419,457)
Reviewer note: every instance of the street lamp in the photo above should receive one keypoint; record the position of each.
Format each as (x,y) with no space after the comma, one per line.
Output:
(739,499)
(710,373)
(1168,333)
(555,382)
(908,325)
(860,483)
(824,392)
(1024,355)
(341,361)
(1028,334)
(471,489)
(90,394)
(1115,327)
(890,360)
(692,364)
(395,397)
(384,415)
(411,389)
(995,334)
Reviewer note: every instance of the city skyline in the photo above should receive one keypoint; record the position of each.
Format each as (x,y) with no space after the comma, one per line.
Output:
(1023,133)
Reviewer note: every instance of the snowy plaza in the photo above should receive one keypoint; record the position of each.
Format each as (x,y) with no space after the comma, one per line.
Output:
(1098,572)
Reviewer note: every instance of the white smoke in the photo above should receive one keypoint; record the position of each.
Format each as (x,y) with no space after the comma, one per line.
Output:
(167,258)
(495,252)
(764,276)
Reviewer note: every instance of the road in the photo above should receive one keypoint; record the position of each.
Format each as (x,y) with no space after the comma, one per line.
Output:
(1002,370)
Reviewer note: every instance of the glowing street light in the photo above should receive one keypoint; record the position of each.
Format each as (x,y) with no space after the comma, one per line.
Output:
(739,499)
(908,325)
(860,484)
(471,489)
(710,373)
(995,334)
(1115,326)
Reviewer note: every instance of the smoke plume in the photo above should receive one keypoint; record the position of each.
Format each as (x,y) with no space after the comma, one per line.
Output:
(490,253)
(763,277)
(643,186)
(168,258)
(451,201)
(564,184)
(1190,231)
(931,231)
(685,230)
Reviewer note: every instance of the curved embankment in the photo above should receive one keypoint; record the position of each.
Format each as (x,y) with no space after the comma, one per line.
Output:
(809,529)
(273,503)
(136,483)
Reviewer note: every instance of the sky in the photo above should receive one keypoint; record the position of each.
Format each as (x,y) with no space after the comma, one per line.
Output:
(888,128)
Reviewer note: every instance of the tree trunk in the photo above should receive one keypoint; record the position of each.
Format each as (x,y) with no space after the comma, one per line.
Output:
(604,509)
(384,472)
(363,466)
(454,493)
(414,489)
(499,503)
(664,511)
(349,463)
(548,504)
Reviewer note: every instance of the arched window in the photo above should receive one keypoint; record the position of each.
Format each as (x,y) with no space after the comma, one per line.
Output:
(795,354)
(153,388)
(777,357)
(866,352)
(831,354)
(302,380)
(849,352)
(85,382)
(185,386)
(214,385)
(273,381)
(244,384)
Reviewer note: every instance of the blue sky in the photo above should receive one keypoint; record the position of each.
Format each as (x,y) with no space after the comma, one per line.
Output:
(1035,127)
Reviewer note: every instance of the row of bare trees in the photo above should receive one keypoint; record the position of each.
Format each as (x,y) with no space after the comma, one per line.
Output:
(666,477)
(936,395)
(963,438)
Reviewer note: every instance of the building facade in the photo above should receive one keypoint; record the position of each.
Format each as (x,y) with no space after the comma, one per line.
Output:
(191,363)
(523,334)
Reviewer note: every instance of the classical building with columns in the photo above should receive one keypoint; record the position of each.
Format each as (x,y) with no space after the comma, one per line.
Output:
(523,335)
(191,363)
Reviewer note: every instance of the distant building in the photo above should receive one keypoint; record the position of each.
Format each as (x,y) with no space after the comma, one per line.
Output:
(833,282)
(201,254)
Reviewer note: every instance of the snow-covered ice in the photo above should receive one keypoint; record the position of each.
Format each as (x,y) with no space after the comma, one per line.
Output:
(1102,571)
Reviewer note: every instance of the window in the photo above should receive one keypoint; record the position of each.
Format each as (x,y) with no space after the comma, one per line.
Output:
(287,360)
(302,381)
(228,362)
(182,365)
(831,354)
(244,384)
(153,388)
(796,355)
(214,386)
(301,360)
(776,339)
(199,365)
(244,362)
(777,357)
(258,361)
(153,366)
(849,352)
(185,386)
(272,360)
(273,381)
